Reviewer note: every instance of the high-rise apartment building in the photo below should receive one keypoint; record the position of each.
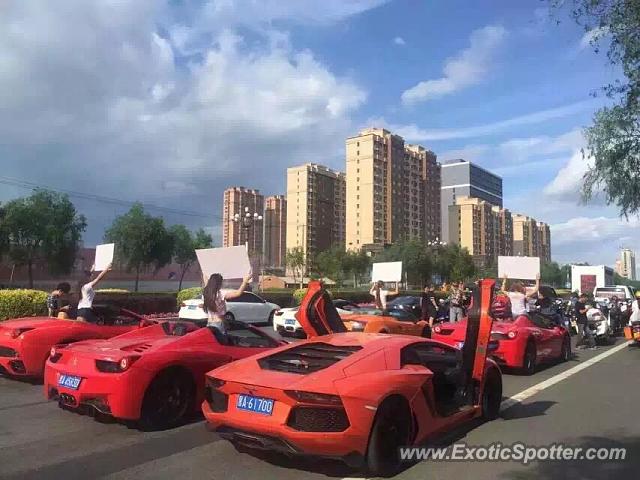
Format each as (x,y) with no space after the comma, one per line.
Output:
(236,201)
(544,242)
(390,190)
(505,230)
(628,263)
(315,209)
(461,178)
(474,225)
(275,229)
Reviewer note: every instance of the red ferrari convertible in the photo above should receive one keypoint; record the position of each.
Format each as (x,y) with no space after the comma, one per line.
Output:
(154,376)
(354,396)
(523,343)
(25,342)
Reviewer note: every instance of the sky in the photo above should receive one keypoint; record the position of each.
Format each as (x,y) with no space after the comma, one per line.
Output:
(170,102)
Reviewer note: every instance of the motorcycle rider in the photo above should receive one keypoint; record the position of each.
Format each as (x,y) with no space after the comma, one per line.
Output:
(585,339)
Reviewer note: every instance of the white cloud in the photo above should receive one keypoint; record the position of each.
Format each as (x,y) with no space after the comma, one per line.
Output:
(415,133)
(96,98)
(592,36)
(467,68)
(399,41)
(568,181)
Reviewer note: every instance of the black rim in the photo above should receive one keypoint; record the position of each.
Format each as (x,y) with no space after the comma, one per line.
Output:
(167,400)
(492,397)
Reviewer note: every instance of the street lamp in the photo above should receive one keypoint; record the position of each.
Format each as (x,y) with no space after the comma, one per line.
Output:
(246,221)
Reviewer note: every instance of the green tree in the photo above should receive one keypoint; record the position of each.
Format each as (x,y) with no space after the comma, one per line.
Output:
(141,241)
(357,263)
(185,245)
(294,260)
(43,228)
(332,263)
(552,274)
(613,140)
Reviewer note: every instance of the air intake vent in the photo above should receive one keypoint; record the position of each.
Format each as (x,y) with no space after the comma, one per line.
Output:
(307,358)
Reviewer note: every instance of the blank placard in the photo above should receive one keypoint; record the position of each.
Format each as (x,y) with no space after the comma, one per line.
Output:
(387,272)
(230,262)
(521,268)
(104,256)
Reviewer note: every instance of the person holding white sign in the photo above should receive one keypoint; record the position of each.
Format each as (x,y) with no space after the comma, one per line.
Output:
(87,292)
(380,294)
(518,295)
(215,299)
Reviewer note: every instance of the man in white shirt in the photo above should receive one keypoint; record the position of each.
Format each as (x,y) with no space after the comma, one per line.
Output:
(87,292)
(380,294)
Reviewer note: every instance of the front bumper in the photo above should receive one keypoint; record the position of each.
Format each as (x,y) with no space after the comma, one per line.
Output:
(116,394)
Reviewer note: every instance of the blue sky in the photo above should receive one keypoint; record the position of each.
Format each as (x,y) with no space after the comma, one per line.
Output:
(169,103)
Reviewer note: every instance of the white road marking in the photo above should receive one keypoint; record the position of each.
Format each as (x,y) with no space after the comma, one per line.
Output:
(529,392)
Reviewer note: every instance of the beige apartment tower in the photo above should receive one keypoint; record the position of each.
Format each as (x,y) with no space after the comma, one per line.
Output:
(275,228)
(474,225)
(236,201)
(392,191)
(315,209)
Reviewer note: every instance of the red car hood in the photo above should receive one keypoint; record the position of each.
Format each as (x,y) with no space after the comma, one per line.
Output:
(32,322)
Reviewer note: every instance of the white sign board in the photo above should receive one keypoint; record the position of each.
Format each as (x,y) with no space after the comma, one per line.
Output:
(104,256)
(387,272)
(230,262)
(521,268)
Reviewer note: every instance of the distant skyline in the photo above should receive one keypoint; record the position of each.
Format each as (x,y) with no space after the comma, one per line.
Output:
(171,102)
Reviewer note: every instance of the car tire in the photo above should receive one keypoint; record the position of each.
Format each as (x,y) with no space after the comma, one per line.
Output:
(492,395)
(168,400)
(529,359)
(391,429)
(229,317)
(565,353)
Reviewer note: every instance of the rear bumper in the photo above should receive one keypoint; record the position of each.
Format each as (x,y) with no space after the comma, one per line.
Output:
(26,361)
(262,433)
(118,394)
(508,354)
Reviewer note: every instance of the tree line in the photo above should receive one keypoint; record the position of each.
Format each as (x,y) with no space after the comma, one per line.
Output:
(45,229)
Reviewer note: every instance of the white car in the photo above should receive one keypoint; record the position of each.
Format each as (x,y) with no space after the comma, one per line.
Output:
(285,322)
(248,308)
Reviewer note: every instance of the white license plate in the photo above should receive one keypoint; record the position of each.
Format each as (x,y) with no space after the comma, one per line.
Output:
(69,381)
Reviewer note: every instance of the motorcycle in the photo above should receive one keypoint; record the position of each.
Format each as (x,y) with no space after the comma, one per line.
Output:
(598,324)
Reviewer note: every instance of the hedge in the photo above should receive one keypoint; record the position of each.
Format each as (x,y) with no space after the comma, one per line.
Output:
(188,294)
(142,303)
(22,303)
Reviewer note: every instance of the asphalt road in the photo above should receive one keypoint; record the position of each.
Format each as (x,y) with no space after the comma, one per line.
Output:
(597,406)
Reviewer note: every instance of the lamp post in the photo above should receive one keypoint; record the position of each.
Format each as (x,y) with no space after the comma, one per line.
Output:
(247,221)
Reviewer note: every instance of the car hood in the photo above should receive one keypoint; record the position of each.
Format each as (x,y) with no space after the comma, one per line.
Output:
(32,323)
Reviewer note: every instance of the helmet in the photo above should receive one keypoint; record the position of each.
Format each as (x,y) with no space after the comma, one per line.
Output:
(501,307)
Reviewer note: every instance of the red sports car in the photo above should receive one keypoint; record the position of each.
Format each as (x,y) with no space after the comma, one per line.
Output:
(353,396)
(25,342)
(523,343)
(154,375)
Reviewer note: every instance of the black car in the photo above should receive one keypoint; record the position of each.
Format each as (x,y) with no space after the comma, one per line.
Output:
(407,303)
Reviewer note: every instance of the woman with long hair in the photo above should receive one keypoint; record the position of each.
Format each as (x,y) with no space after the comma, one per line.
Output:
(518,295)
(215,299)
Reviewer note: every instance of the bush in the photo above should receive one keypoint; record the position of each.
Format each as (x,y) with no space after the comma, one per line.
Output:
(298,295)
(22,303)
(188,294)
(282,298)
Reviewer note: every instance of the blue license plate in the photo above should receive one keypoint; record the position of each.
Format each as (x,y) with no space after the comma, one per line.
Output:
(460,344)
(250,403)
(289,322)
(69,381)
(192,307)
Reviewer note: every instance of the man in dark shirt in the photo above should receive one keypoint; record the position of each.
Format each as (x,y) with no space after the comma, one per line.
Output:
(585,338)
(429,305)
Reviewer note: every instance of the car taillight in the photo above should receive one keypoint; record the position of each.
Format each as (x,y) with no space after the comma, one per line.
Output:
(316,398)
(201,305)
(108,366)
(437,329)
(512,334)
(278,313)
